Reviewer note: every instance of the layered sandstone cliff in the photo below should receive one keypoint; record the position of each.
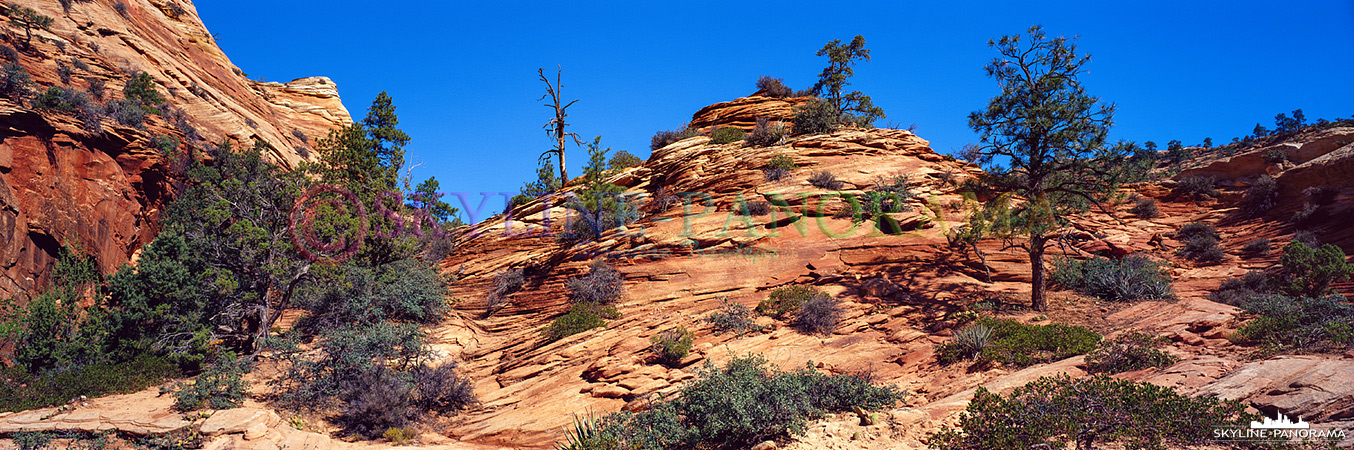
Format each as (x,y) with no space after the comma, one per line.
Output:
(101,191)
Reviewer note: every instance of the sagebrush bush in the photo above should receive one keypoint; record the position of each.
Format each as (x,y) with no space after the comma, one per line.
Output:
(1055,411)
(581,317)
(1306,214)
(127,113)
(672,344)
(1132,278)
(725,135)
(1257,247)
(1308,323)
(665,138)
(823,179)
(743,403)
(1017,344)
(14,82)
(773,87)
(440,389)
(814,117)
(21,390)
(754,208)
(1260,197)
(1145,208)
(601,285)
(784,301)
(818,315)
(377,399)
(1129,351)
(1200,242)
(64,72)
(406,290)
(775,174)
(221,386)
(732,317)
(1196,188)
(505,283)
(1321,195)
(1238,291)
(765,133)
(9,53)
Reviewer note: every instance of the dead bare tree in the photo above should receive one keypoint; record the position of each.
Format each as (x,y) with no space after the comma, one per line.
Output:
(555,127)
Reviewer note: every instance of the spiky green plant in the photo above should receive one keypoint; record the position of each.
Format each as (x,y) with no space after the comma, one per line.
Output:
(972,339)
(587,433)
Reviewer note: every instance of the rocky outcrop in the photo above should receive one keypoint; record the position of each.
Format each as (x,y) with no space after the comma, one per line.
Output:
(743,112)
(101,191)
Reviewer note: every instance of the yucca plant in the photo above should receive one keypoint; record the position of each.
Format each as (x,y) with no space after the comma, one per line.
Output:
(587,433)
(972,339)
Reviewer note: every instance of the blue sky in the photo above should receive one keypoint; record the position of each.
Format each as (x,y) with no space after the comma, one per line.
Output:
(463,74)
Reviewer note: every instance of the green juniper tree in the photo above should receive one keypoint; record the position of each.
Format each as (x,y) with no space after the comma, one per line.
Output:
(28,19)
(1043,143)
(833,80)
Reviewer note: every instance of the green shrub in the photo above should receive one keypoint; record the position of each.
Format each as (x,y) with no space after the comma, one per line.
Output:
(127,113)
(732,317)
(1276,156)
(405,290)
(581,317)
(398,435)
(1058,410)
(781,162)
(825,180)
(221,386)
(32,440)
(1132,278)
(14,81)
(765,133)
(140,89)
(622,160)
(440,389)
(786,300)
(773,87)
(672,344)
(814,117)
(21,390)
(818,315)
(1301,323)
(1201,243)
(588,433)
(1129,351)
(1145,208)
(1196,229)
(351,352)
(745,402)
(970,341)
(1309,272)
(1196,188)
(1260,197)
(725,135)
(61,99)
(1017,344)
(63,71)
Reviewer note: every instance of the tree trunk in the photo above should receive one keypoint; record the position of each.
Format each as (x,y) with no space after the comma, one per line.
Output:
(563,175)
(1037,298)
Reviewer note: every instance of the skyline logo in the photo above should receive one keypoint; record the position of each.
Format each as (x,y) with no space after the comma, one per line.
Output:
(1282,423)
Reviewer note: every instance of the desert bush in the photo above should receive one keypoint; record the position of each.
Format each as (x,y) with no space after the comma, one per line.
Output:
(221,386)
(22,390)
(765,133)
(622,160)
(784,301)
(781,162)
(725,135)
(602,284)
(62,99)
(398,435)
(1017,344)
(1310,272)
(32,440)
(581,317)
(1276,156)
(140,89)
(665,138)
(121,8)
(505,283)
(1052,411)
(1306,214)
(1321,195)
(888,195)
(9,53)
(1260,197)
(14,82)
(1145,208)
(377,399)
(1196,229)
(406,290)
(1238,291)
(353,352)
(818,315)
(1257,247)
(1196,188)
(63,72)
(1129,351)
(823,179)
(732,317)
(773,87)
(814,117)
(672,344)
(776,174)
(127,113)
(1201,242)
(745,402)
(440,389)
(1308,323)
(1132,278)
(754,208)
